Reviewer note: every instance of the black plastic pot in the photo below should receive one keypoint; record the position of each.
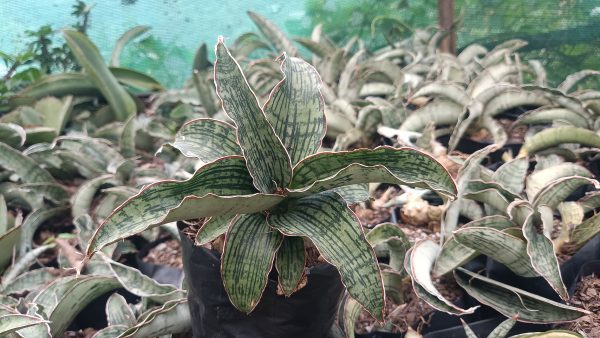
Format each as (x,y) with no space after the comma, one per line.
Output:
(161,273)
(309,312)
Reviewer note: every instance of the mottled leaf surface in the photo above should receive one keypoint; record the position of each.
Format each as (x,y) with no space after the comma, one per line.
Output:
(207,140)
(290,264)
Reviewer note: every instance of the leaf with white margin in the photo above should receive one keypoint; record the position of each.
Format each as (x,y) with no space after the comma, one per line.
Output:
(418,264)
(290,264)
(267,159)
(337,233)
(14,322)
(541,178)
(171,318)
(558,190)
(511,175)
(511,301)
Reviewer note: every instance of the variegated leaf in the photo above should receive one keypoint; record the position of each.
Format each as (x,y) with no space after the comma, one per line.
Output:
(354,193)
(213,228)
(585,232)
(511,175)
(290,264)
(326,220)
(171,318)
(406,166)
(222,187)
(26,168)
(118,311)
(206,139)
(266,157)
(558,190)
(553,137)
(541,178)
(295,109)
(390,240)
(13,322)
(250,247)
(511,301)
(273,34)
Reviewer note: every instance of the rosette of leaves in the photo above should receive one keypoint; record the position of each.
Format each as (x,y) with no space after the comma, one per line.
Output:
(267,189)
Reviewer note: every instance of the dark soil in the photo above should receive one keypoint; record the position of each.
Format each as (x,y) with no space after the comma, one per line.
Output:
(85,333)
(587,296)
(166,253)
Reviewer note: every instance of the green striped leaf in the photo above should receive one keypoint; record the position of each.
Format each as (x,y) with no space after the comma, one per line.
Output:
(511,175)
(118,311)
(441,112)
(510,301)
(541,178)
(135,79)
(90,59)
(418,264)
(468,331)
(552,137)
(500,246)
(213,228)
(274,35)
(547,115)
(12,134)
(405,166)
(29,281)
(9,241)
(171,318)
(55,112)
(296,109)
(110,331)
(223,187)
(541,250)
(83,198)
(389,240)
(454,254)
(250,247)
(55,85)
(290,264)
(207,140)
(26,168)
(354,193)
(326,220)
(205,90)
(558,190)
(266,157)
(585,232)
(503,328)
(549,334)
(127,138)
(33,221)
(14,322)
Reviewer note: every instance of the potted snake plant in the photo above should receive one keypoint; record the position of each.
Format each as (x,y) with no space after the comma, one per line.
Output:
(279,205)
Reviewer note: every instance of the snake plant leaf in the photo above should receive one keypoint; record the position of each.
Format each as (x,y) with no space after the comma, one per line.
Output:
(541,178)
(135,79)
(266,157)
(295,109)
(223,187)
(205,91)
(110,331)
(354,193)
(514,98)
(317,48)
(541,250)
(341,242)
(384,164)
(552,137)
(55,85)
(118,311)
(123,40)
(274,35)
(490,77)
(26,168)
(500,246)
(576,77)
(84,196)
(55,112)
(23,263)
(491,197)
(213,228)
(441,112)
(503,328)
(558,190)
(419,261)
(450,90)
(585,232)
(511,301)
(290,264)
(4,224)
(29,281)
(389,240)
(590,201)
(171,318)
(547,115)
(127,138)
(90,59)
(9,241)
(12,134)
(248,255)
(201,59)
(206,139)
(549,334)
(511,175)
(13,322)
(41,331)
(141,285)
(455,254)
(468,331)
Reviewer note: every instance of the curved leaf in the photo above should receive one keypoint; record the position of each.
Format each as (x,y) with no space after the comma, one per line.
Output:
(135,79)
(290,264)
(248,254)
(406,166)
(213,228)
(389,239)
(326,220)
(295,109)
(585,232)
(26,168)
(171,318)
(124,39)
(441,112)
(510,301)
(266,157)
(547,115)
(14,322)
(118,311)
(541,178)
(511,175)
(558,190)
(206,139)
(273,34)
(222,187)
(552,137)
(90,59)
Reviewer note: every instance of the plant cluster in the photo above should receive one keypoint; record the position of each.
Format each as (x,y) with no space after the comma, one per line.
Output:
(269,156)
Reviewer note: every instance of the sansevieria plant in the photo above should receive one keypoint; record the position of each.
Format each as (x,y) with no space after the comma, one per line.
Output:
(268,189)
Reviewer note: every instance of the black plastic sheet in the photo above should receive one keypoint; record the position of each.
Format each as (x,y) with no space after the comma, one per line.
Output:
(309,312)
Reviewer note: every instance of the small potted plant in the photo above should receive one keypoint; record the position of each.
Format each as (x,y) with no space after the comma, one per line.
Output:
(275,198)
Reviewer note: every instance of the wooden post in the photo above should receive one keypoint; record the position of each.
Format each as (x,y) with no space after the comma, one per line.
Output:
(445,18)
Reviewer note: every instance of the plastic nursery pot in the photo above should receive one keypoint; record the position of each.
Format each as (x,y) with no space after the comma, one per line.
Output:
(310,312)
(161,273)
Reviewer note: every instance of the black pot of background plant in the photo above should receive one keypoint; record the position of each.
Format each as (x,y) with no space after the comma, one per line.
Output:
(161,273)
(309,312)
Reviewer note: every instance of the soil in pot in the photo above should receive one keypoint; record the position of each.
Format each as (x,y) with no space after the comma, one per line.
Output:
(309,312)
